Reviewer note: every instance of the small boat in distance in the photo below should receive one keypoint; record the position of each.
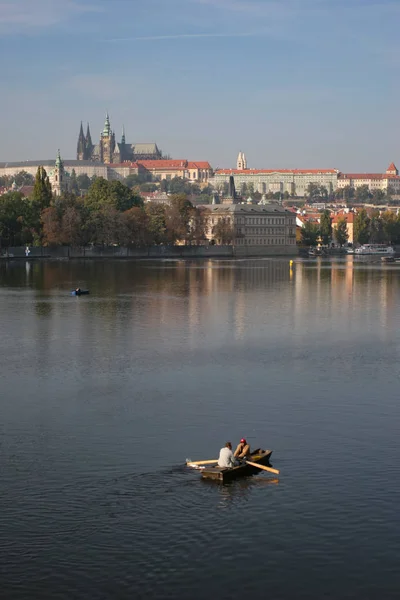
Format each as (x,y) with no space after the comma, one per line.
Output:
(79,292)
(374,250)
(224,475)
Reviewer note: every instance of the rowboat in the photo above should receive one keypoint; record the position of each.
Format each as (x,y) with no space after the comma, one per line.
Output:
(80,293)
(224,475)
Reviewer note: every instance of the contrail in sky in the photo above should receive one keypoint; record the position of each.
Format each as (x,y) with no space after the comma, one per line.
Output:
(179,36)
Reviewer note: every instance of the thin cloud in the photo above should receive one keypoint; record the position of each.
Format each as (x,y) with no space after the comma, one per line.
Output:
(181,36)
(25,15)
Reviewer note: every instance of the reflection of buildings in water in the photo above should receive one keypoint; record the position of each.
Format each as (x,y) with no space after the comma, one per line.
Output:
(194,303)
(341,288)
(240,313)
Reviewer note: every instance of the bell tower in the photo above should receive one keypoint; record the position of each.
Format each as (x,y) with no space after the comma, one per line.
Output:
(241,163)
(107,142)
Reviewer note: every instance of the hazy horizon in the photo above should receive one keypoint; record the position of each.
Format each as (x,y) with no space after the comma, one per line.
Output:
(293,84)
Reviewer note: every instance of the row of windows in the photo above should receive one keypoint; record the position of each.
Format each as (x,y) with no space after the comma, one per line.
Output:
(261,242)
(261,221)
(262,230)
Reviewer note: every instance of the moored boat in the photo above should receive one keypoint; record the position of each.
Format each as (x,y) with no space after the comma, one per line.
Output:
(224,475)
(79,292)
(374,250)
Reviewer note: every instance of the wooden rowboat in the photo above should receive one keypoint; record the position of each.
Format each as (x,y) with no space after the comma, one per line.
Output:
(81,293)
(224,475)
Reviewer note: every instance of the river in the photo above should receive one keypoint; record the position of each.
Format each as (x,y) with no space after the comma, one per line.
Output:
(103,397)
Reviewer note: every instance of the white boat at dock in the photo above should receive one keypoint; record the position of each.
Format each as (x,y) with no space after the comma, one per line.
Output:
(374,250)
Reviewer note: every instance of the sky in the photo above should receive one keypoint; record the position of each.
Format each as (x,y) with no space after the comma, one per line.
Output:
(292,83)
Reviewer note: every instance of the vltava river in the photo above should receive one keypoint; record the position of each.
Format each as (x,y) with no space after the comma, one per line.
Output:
(103,397)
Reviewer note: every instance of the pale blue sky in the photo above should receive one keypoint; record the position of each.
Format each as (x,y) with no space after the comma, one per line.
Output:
(293,83)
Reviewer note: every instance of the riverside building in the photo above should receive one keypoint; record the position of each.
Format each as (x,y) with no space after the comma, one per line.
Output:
(256,228)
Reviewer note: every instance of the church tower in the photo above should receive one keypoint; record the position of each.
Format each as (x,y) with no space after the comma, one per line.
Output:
(81,148)
(392,169)
(89,144)
(241,163)
(107,142)
(57,177)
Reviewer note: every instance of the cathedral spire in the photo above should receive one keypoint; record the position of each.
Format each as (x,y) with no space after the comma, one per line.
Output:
(107,127)
(89,144)
(81,148)
(123,135)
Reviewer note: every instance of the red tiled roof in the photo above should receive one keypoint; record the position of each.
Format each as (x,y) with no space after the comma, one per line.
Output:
(199,165)
(127,164)
(163,164)
(367,176)
(392,167)
(290,171)
(348,216)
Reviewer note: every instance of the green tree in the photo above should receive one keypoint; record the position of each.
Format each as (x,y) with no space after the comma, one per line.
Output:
(325,227)
(378,197)
(157,226)
(23,178)
(323,191)
(309,234)
(51,227)
(223,231)
(110,194)
(362,193)
(391,227)
(135,227)
(313,192)
(178,216)
(19,219)
(148,187)
(376,229)
(73,182)
(42,194)
(198,226)
(83,181)
(341,234)
(132,180)
(250,188)
(361,227)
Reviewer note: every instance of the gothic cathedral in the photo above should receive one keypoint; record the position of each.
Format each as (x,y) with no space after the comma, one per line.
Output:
(109,151)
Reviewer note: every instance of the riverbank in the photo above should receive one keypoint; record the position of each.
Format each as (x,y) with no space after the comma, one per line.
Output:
(99,252)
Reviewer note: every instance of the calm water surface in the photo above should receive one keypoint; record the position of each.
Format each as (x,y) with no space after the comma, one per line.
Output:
(104,397)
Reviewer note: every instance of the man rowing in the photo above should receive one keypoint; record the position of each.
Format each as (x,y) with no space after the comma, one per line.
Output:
(243,449)
(226,459)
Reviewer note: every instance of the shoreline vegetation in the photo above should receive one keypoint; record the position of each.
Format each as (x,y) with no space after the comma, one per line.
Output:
(109,214)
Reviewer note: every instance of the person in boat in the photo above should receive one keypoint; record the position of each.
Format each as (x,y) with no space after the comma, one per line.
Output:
(243,449)
(226,458)
(78,290)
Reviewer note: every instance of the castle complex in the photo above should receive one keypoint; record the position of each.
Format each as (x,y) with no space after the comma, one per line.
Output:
(108,151)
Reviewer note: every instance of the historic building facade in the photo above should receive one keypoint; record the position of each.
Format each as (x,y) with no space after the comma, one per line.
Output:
(389,181)
(108,151)
(269,227)
(293,181)
(199,171)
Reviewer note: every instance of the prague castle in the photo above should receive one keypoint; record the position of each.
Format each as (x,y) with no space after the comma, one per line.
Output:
(108,151)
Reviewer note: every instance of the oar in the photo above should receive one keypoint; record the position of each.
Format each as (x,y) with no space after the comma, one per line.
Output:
(262,467)
(201,462)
